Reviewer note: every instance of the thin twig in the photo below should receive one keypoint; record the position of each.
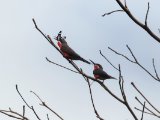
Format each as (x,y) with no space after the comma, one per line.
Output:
(121,85)
(61,65)
(125,3)
(90,91)
(121,55)
(143,110)
(23,110)
(135,61)
(13,114)
(132,54)
(47,117)
(107,60)
(145,106)
(155,69)
(22,97)
(31,107)
(45,105)
(144,97)
(112,12)
(147,14)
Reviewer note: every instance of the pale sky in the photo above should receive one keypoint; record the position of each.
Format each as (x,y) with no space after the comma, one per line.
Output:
(23,50)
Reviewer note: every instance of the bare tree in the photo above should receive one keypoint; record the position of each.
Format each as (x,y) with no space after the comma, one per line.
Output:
(147,107)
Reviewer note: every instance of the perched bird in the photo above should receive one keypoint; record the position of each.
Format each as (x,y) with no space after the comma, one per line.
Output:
(99,73)
(67,51)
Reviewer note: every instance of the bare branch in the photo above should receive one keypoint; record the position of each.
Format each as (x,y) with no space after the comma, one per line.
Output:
(90,91)
(31,107)
(155,69)
(121,85)
(112,12)
(13,114)
(135,61)
(125,3)
(145,106)
(48,38)
(121,55)
(134,19)
(147,14)
(108,60)
(61,65)
(22,97)
(121,82)
(143,111)
(45,105)
(23,110)
(144,97)
(47,117)
(40,30)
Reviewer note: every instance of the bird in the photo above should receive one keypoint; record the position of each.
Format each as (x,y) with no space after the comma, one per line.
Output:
(99,73)
(66,50)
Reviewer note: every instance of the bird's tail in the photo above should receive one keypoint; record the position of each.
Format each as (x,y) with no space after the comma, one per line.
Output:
(113,78)
(82,59)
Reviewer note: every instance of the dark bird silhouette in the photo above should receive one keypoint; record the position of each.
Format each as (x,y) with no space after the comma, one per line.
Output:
(67,51)
(99,73)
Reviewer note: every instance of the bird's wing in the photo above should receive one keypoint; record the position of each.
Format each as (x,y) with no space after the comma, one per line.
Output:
(101,73)
(65,48)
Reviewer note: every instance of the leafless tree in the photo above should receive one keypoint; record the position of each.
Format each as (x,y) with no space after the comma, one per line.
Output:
(147,107)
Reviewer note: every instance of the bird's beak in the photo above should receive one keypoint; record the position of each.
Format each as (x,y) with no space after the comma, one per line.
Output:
(55,37)
(92,62)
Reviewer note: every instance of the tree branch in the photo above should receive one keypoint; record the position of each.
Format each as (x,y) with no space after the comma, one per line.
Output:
(155,69)
(13,114)
(143,111)
(121,85)
(45,105)
(31,107)
(144,97)
(135,20)
(147,14)
(90,91)
(145,106)
(121,55)
(136,62)
(112,12)
(107,60)
(61,65)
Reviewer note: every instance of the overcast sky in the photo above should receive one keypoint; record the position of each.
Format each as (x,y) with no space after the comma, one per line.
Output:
(23,50)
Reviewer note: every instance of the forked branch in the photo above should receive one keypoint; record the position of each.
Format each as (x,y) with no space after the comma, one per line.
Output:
(31,107)
(46,106)
(135,20)
(135,61)
(145,98)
